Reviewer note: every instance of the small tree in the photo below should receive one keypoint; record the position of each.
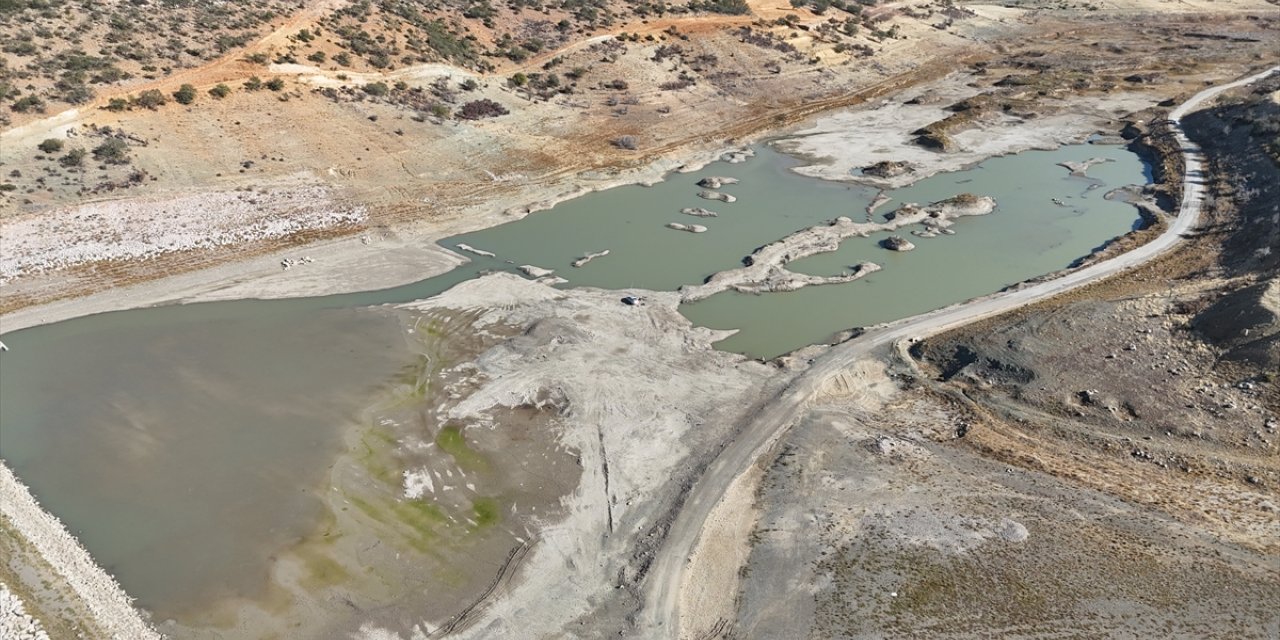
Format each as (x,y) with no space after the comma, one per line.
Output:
(221,91)
(112,151)
(52,145)
(186,94)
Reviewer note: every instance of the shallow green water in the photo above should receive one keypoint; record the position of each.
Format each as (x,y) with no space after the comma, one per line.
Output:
(153,432)
(1027,235)
(184,454)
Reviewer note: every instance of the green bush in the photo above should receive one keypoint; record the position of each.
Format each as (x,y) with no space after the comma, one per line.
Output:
(317,57)
(186,94)
(52,145)
(275,84)
(117,104)
(253,84)
(221,91)
(150,99)
(376,89)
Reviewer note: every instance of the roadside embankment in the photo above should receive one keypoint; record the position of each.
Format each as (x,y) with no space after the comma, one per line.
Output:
(100,592)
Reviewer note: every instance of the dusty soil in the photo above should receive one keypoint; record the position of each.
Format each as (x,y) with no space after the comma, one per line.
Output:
(906,531)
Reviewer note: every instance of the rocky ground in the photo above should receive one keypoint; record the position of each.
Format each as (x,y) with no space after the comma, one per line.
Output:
(14,621)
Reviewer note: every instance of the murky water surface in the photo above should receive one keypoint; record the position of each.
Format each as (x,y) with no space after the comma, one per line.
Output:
(185,445)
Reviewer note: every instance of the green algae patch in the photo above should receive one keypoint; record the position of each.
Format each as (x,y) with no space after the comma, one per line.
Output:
(322,570)
(453,442)
(486,512)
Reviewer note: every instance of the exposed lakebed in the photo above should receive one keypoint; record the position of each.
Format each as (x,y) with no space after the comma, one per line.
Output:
(187,446)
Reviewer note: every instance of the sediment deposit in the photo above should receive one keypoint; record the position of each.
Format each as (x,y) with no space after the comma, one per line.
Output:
(699,212)
(765,269)
(716,195)
(691,228)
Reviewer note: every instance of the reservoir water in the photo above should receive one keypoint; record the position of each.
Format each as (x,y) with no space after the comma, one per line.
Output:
(209,426)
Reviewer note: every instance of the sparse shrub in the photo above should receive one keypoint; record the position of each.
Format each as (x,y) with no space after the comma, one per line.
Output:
(186,94)
(253,84)
(27,104)
(626,142)
(376,89)
(52,145)
(343,59)
(518,80)
(482,108)
(275,84)
(112,151)
(220,91)
(117,104)
(469,84)
(440,110)
(317,57)
(618,84)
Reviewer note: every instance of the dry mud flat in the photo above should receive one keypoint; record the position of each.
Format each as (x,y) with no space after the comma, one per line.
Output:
(840,145)
(638,400)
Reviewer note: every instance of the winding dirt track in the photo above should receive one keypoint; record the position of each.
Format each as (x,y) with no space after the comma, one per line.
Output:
(661,615)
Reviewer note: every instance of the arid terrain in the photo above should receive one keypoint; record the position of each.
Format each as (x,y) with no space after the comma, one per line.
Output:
(1097,455)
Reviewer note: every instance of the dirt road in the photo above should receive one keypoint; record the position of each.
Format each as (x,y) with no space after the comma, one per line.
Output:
(660,617)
